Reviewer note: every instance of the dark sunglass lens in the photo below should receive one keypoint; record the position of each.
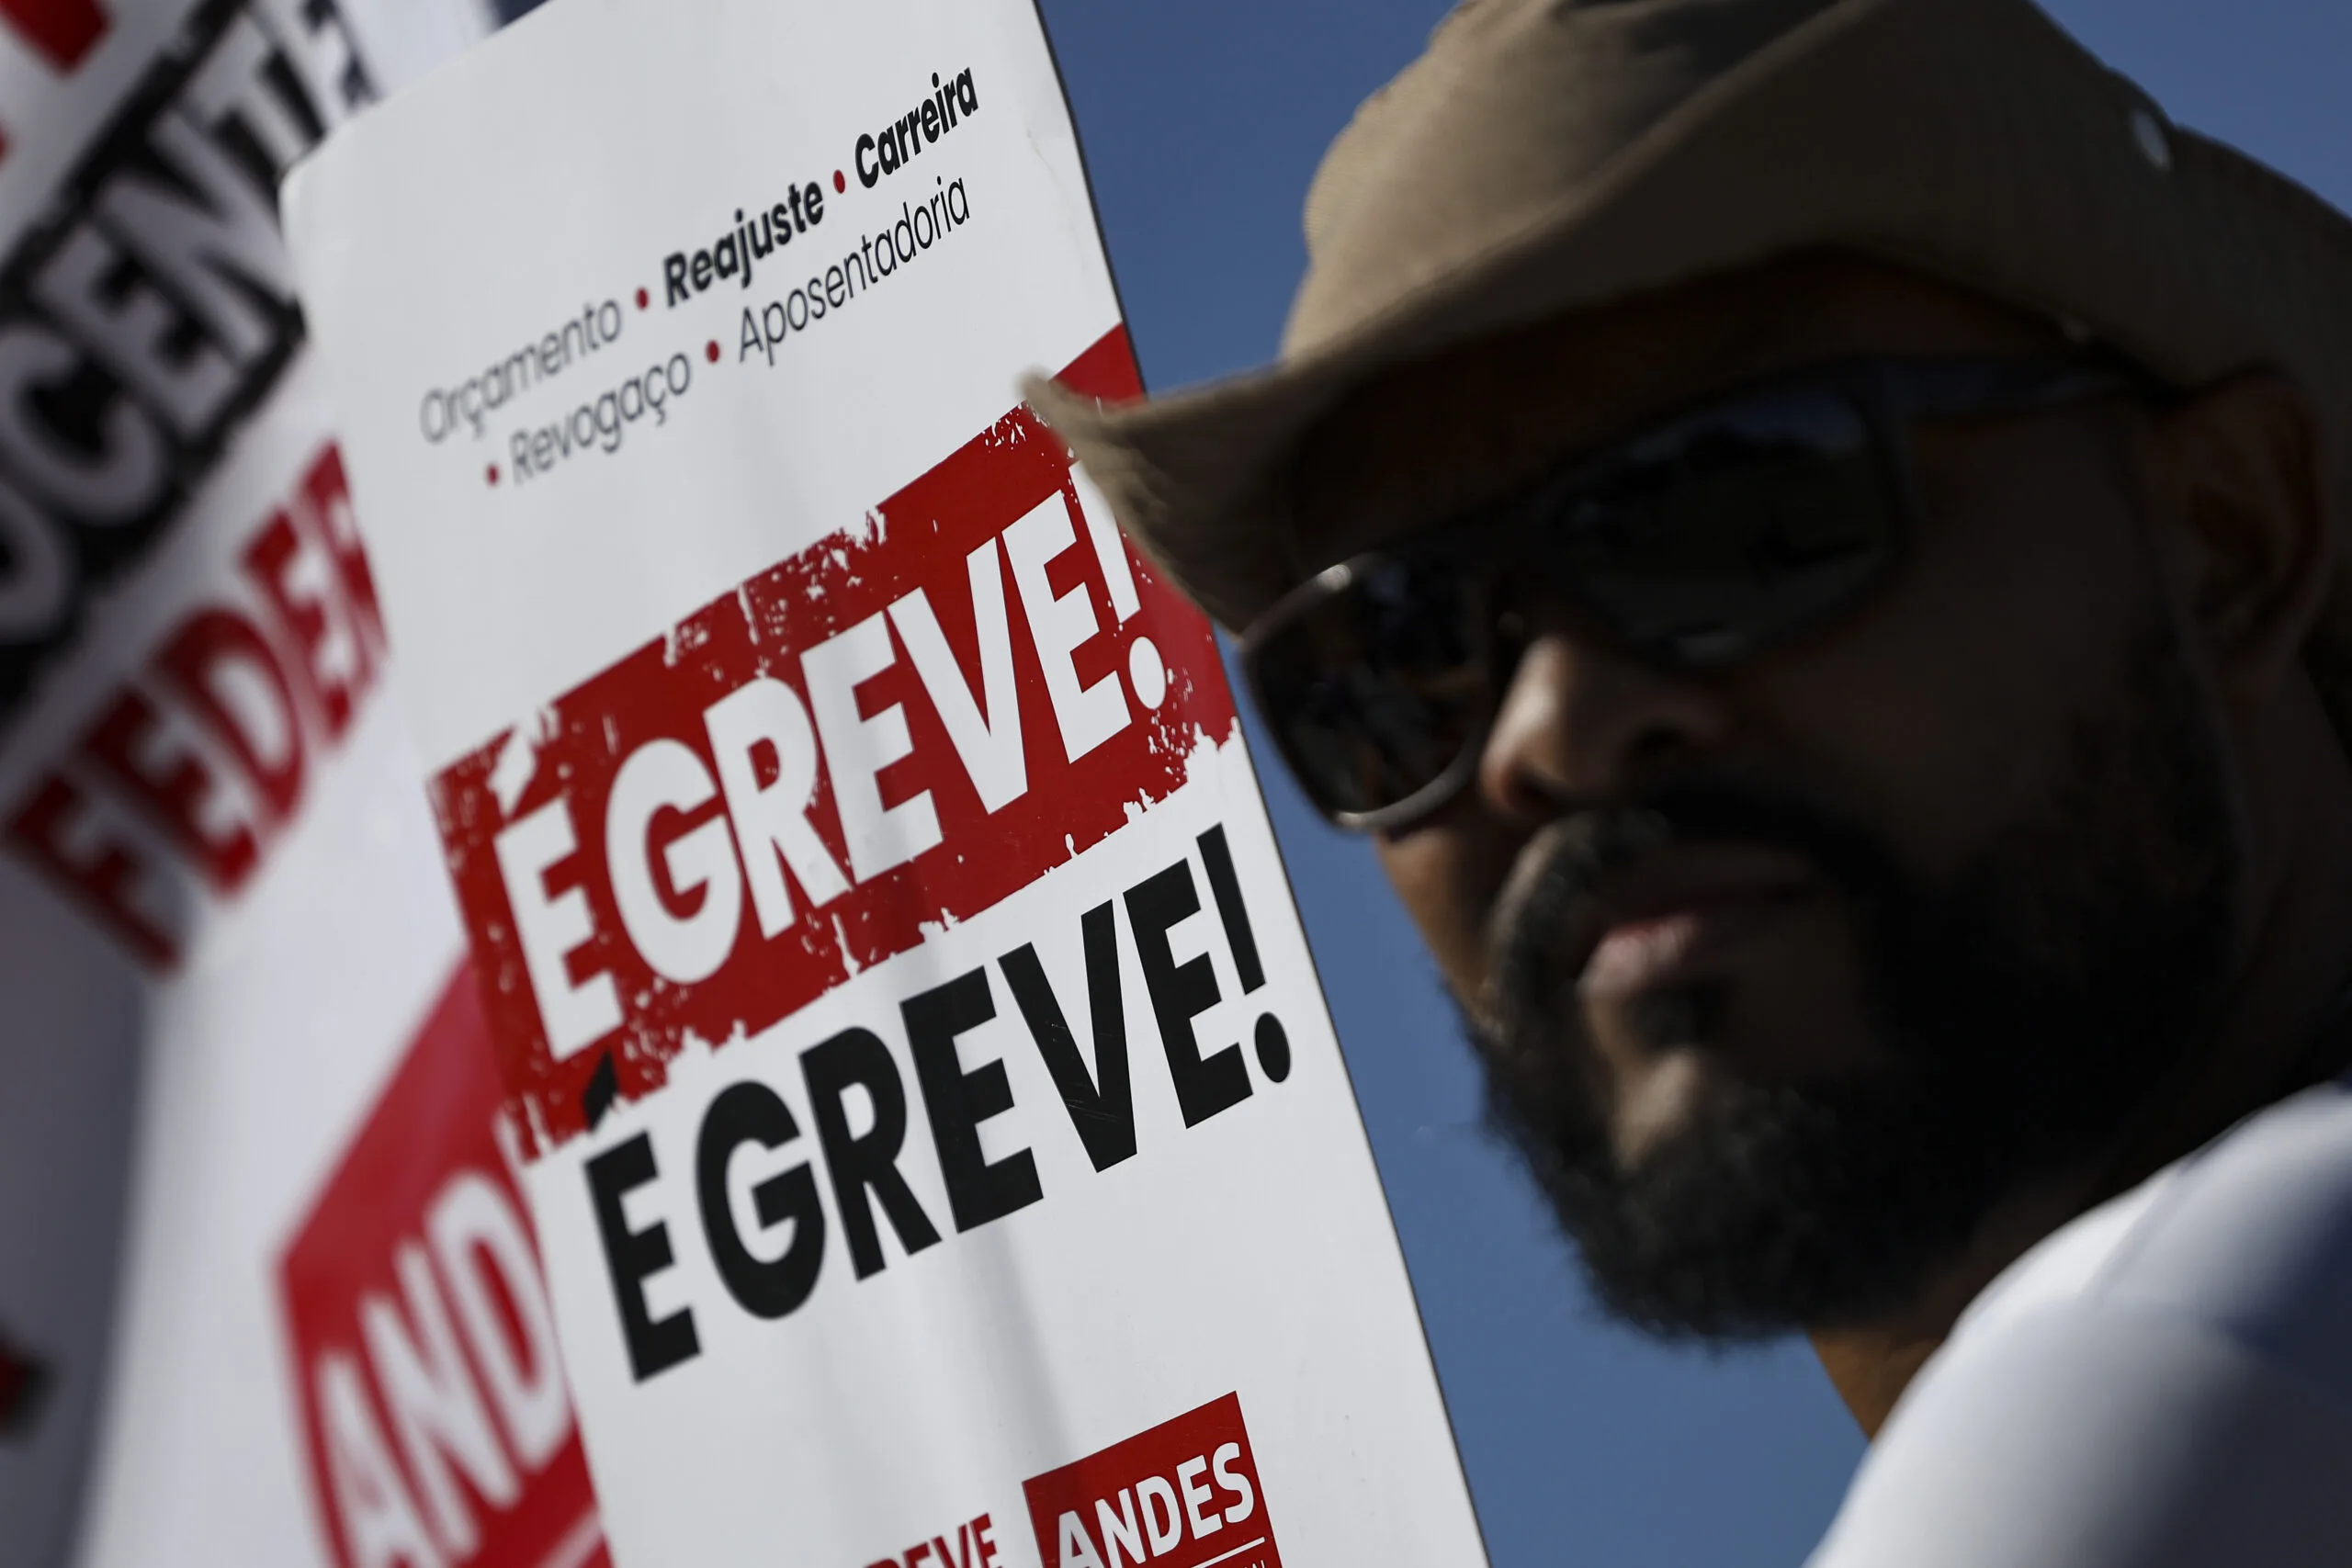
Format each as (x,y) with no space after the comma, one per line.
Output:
(1727,530)
(1376,689)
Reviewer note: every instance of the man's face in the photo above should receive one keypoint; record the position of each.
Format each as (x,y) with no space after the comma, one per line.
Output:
(1785,974)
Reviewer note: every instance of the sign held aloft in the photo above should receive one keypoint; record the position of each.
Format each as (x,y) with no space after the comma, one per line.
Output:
(933,1122)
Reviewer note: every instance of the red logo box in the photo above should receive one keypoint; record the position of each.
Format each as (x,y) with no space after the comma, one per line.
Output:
(1183,1495)
(434,1405)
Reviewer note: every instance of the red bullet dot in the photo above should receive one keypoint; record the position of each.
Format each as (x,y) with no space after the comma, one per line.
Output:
(641,300)
(839,183)
(710,351)
(493,473)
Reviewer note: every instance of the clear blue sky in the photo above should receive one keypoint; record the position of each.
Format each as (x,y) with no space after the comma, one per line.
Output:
(1203,121)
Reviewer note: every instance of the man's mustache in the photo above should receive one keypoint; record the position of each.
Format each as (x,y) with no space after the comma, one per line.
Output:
(1569,866)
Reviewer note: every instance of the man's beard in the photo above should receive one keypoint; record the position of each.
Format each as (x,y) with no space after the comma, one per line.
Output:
(2028,1011)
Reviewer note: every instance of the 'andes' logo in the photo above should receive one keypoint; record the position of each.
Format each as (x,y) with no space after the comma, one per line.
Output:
(1183,1495)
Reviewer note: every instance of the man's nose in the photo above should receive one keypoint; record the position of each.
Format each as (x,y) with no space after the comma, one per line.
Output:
(1581,722)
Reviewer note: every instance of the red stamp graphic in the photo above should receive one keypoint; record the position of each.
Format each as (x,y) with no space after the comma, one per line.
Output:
(875,738)
(1183,1495)
(433,1400)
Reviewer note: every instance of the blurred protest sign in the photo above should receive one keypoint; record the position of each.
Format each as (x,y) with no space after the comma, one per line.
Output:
(229,945)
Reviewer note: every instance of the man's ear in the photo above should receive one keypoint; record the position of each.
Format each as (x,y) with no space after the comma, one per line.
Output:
(2239,470)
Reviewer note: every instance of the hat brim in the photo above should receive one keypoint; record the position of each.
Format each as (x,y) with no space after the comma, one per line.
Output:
(1973,143)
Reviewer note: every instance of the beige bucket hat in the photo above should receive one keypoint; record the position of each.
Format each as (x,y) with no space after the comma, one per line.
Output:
(1544,156)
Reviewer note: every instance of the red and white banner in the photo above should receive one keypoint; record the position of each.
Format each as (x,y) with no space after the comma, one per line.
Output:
(935,1131)
(434,1412)
(231,966)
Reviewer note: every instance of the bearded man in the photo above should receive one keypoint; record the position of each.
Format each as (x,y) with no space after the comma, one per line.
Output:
(1810,531)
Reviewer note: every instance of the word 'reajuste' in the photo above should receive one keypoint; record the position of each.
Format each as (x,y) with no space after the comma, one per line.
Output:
(733,255)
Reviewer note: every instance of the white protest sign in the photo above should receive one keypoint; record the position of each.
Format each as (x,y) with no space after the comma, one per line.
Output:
(937,1139)
(250,1198)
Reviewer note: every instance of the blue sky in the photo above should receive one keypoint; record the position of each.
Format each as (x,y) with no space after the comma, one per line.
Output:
(1202,123)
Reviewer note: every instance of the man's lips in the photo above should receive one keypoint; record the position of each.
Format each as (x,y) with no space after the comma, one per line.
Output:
(1676,912)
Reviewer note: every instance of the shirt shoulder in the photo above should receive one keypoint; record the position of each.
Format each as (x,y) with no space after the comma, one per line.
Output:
(2166,1380)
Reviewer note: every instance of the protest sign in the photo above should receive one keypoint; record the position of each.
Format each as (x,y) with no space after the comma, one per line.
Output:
(936,1134)
(229,952)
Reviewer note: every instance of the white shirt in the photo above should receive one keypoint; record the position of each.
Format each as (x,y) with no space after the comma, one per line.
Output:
(2165,1383)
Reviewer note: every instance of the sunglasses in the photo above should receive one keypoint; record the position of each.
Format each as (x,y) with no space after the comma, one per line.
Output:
(1694,543)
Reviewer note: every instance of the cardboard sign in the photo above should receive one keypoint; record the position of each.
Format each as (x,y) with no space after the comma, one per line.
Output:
(936,1137)
(225,923)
